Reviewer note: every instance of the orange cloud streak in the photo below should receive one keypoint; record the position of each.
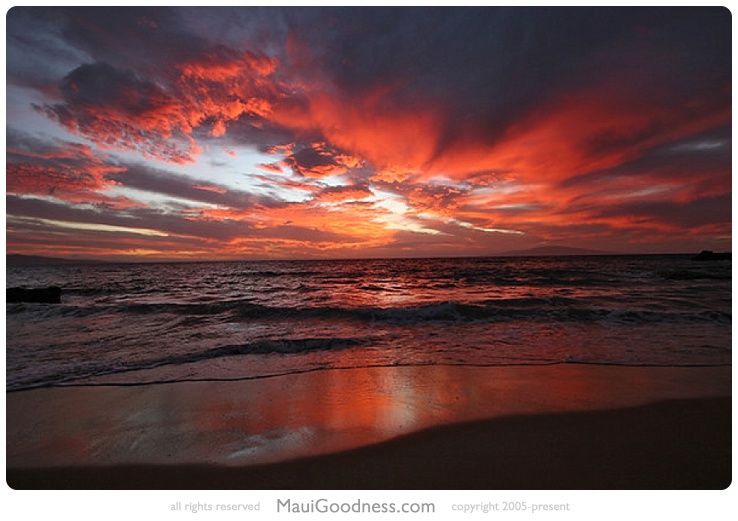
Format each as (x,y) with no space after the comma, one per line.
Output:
(384,136)
(523,175)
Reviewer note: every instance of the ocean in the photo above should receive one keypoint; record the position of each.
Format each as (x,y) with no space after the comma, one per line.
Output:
(130,324)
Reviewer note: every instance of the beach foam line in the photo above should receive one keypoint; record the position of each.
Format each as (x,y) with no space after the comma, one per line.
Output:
(109,379)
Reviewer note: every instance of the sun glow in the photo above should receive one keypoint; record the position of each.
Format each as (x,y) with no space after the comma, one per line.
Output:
(288,139)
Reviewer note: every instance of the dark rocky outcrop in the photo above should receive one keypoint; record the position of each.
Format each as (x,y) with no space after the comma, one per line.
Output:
(49,295)
(707,255)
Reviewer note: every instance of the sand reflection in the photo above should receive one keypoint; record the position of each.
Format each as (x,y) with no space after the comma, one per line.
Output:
(275,419)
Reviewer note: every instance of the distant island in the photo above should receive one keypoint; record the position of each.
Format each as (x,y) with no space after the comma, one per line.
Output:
(556,250)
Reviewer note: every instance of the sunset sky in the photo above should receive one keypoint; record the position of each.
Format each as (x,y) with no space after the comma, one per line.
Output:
(245,133)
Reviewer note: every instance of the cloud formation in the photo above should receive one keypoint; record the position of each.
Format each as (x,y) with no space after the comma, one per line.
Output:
(299,132)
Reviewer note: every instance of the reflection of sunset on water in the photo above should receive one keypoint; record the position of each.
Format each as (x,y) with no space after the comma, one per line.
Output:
(281,418)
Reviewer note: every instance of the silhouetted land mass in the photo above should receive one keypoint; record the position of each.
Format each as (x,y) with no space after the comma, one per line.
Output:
(707,255)
(556,250)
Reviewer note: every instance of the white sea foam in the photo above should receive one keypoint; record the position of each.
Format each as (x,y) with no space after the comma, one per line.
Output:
(137,323)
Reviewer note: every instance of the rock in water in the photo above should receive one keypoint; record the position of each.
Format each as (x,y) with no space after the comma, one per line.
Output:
(707,255)
(50,295)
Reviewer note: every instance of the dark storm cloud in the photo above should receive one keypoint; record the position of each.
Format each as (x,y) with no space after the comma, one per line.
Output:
(37,55)
(309,159)
(149,83)
(113,106)
(129,37)
(102,84)
(313,161)
(490,66)
(484,68)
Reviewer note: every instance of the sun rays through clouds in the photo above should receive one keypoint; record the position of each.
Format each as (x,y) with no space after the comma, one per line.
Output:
(295,133)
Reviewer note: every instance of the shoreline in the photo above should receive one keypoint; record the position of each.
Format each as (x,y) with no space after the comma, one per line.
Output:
(680,444)
(393,427)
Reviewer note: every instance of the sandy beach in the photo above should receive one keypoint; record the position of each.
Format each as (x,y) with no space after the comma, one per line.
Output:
(436,427)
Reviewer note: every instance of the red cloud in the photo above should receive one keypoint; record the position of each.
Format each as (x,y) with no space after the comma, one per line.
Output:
(339,194)
(579,160)
(70,172)
(119,109)
(384,136)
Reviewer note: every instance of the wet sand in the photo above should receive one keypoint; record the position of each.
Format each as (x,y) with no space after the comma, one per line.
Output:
(550,427)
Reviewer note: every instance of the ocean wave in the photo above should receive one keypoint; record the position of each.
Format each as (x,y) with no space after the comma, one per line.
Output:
(534,309)
(74,371)
(526,309)
(229,319)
